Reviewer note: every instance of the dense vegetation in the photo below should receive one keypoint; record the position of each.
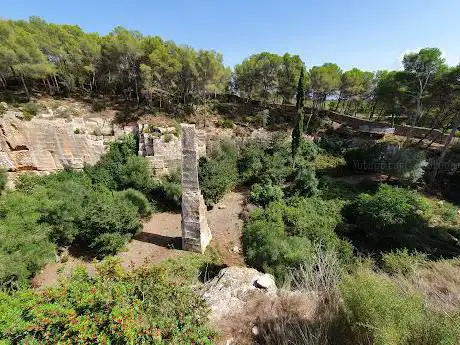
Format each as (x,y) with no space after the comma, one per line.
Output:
(145,306)
(98,209)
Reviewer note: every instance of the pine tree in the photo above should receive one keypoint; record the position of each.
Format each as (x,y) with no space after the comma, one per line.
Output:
(297,133)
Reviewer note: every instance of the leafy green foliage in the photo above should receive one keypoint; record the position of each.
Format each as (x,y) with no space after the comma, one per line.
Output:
(24,242)
(264,194)
(394,218)
(407,164)
(381,313)
(167,191)
(30,109)
(272,162)
(99,208)
(402,262)
(140,200)
(226,123)
(218,173)
(284,235)
(114,307)
(305,183)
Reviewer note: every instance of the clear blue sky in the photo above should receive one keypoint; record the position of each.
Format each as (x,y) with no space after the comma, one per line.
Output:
(368,34)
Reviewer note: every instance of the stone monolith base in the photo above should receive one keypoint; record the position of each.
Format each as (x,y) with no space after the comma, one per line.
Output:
(196,234)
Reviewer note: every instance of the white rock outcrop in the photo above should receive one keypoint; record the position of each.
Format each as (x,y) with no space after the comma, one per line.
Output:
(234,287)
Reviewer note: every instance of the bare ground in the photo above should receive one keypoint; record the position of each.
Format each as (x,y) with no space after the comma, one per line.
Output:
(161,240)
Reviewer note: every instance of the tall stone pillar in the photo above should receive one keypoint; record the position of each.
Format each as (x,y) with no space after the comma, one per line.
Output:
(195,230)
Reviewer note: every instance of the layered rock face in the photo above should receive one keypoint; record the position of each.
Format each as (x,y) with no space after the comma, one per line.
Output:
(48,145)
(162,147)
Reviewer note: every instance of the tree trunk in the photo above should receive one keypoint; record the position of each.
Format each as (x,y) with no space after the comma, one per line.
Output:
(447,143)
(50,88)
(56,83)
(308,122)
(25,86)
(338,103)
(137,91)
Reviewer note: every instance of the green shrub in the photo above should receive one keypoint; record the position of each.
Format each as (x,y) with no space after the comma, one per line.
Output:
(407,165)
(140,200)
(70,207)
(226,123)
(381,313)
(109,243)
(272,162)
(402,262)
(366,159)
(77,131)
(264,194)
(30,109)
(393,218)
(385,220)
(218,173)
(24,243)
(284,235)
(3,179)
(107,213)
(250,162)
(114,307)
(305,183)
(167,191)
(328,162)
(121,168)
(168,137)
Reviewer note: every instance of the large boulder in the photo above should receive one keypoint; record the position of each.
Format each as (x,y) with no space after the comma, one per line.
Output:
(234,287)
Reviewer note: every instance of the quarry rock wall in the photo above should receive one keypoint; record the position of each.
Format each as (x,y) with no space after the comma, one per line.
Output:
(54,144)
(163,147)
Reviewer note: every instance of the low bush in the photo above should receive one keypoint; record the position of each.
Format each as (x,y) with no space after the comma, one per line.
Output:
(381,313)
(284,235)
(114,307)
(366,159)
(226,123)
(272,162)
(334,145)
(120,168)
(167,191)
(393,218)
(327,162)
(305,183)
(24,241)
(140,200)
(264,194)
(385,218)
(402,262)
(407,164)
(218,173)
(30,110)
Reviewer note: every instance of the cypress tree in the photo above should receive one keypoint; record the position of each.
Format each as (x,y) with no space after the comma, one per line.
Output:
(297,133)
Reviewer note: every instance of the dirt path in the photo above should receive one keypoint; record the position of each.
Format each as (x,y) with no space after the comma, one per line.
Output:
(161,240)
